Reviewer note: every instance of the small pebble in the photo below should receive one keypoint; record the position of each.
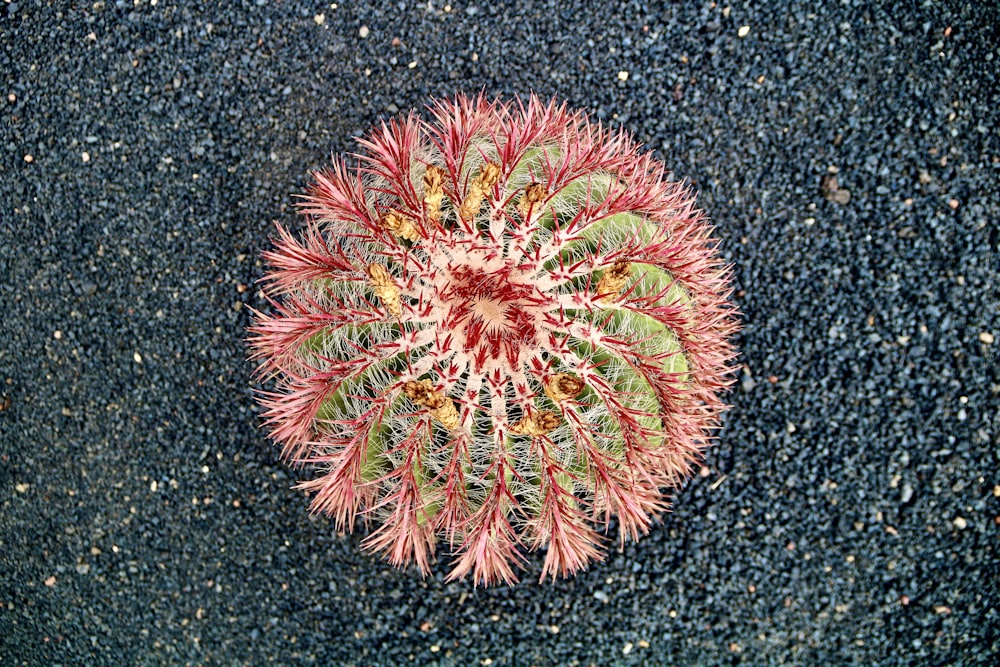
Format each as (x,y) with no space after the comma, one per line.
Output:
(960,522)
(623,75)
(744,31)
(907,494)
(364,32)
(137,357)
(319,19)
(22,487)
(986,337)
(85,156)
(29,158)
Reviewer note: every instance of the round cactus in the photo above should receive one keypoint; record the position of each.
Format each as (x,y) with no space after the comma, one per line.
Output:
(500,328)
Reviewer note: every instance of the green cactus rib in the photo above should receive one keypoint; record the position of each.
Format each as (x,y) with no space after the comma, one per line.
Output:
(533,160)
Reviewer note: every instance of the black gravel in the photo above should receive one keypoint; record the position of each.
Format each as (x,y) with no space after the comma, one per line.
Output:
(849,514)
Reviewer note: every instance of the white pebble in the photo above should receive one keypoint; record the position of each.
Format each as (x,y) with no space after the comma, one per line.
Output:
(960,523)
(623,75)
(986,337)
(137,357)
(363,32)
(907,493)
(319,18)
(744,31)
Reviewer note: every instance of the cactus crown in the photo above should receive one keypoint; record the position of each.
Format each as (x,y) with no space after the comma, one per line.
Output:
(502,328)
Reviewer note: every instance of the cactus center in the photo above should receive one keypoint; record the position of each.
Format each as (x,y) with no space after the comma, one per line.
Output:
(493,314)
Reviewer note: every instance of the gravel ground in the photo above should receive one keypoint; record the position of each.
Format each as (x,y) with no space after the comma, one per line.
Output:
(849,514)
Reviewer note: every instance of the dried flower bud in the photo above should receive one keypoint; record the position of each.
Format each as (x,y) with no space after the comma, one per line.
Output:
(433,192)
(441,407)
(536,423)
(528,206)
(613,281)
(398,224)
(489,175)
(562,386)
(385,288)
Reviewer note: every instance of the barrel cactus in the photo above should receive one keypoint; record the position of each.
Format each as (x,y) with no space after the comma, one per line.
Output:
(502,329)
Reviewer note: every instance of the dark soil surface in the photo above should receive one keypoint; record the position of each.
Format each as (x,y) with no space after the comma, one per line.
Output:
(850,512)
